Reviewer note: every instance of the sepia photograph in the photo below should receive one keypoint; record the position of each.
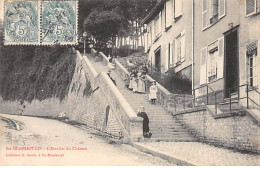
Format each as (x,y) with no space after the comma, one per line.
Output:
(130,83)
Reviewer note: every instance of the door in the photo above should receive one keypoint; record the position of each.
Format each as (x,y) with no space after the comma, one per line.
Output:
(231,62)
(158,60)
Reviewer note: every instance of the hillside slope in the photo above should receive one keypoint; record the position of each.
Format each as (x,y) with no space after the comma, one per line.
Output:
(30,72)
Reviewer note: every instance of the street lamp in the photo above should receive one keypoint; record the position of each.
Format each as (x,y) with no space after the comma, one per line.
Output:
(85,36)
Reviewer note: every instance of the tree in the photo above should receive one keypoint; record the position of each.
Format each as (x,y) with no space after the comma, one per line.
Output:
(111,18)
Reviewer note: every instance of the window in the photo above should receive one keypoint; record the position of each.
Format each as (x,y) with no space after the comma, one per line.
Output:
(179,51)
(168,14)
(250,7)
(252,67)
(212,64)
(177,8)
(212,11)
(212,61)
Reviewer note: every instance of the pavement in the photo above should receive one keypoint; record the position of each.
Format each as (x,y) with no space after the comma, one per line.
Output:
(199,154)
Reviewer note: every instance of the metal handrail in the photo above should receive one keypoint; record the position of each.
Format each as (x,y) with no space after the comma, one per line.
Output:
(224,90)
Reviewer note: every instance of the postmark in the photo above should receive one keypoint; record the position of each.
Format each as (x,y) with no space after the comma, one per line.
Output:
(21,22)
(59,22)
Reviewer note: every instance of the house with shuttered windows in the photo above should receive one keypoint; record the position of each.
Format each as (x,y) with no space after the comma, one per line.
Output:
(168,36)
(226,47)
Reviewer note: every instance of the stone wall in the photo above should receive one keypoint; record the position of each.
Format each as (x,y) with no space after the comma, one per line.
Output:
(237,131)
(88,103)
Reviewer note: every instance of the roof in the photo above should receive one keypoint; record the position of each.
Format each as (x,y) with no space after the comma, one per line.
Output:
(154,11)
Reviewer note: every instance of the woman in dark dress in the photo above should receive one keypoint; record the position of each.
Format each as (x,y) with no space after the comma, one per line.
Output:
(146,129)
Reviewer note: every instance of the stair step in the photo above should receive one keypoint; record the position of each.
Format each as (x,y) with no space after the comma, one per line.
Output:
(153,139)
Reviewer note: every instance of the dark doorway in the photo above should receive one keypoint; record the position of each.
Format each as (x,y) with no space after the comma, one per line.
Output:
(158,59)
(231,62)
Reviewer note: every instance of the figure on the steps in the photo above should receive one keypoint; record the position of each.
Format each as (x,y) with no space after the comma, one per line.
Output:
(109,75)
(153,92)
(141,83)
(130,87)
(134,80)
(97,57)
(127,81)
(146,130)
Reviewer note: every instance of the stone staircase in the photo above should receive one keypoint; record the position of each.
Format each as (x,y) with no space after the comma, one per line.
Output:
(162,124)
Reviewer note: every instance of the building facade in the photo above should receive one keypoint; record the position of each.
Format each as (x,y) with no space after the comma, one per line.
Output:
(168,36)
(226,46)
(215,43)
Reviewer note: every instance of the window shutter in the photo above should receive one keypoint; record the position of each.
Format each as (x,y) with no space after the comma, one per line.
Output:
(203,66)
(170,57)
(220,59)
(168,13)
(160,23)
(210,8)
(208,65)
(183,48)
(221,8)
(175,52)
(166,57)
(178,8)
(204,15)
(250,7)
(257,67)
(173,9)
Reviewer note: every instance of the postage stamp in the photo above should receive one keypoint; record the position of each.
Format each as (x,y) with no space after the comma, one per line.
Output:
(59,22)
(21,22)
(41,22)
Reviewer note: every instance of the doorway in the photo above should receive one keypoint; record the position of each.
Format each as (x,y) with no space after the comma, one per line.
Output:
(158,59)
(231,62)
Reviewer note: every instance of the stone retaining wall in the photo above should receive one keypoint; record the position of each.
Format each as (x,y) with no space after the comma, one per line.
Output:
(237,131)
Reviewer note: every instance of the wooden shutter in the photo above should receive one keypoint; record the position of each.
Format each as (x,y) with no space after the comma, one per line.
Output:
(203,66)
(183,47)
(173,53)
(168,13)
(208,63)
(220,59)
(257,67)
(221,8)
(166,57)
(204,14)
(178,8)
(159,23)
(170,57)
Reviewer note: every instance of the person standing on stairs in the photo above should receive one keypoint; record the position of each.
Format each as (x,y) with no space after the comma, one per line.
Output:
(141,83)
(146,129)
(153,92)
(134,81)
(127,81)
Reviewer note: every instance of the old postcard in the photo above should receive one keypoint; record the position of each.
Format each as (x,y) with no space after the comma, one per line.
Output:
(129,82)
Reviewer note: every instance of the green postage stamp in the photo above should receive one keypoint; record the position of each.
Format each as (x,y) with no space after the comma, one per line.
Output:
(40,22)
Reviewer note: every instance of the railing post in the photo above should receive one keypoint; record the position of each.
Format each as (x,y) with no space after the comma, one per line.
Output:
(207,94)
(247,106)
(229,100)
(216,103)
